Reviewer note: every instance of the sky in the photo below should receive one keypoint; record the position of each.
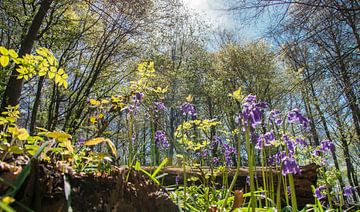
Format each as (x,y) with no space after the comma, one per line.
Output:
(212,11)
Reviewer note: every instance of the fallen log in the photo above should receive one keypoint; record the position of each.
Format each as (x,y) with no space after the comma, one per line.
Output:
(302,181)
(119,190)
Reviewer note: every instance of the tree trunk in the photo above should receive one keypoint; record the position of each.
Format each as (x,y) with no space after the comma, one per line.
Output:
(36,105)
(14,87)
(349,165)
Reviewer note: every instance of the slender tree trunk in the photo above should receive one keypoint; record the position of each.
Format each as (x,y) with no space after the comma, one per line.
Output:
(349,165)
(311,118)
(172,134)
(36,105)
(14,87)
(327,131)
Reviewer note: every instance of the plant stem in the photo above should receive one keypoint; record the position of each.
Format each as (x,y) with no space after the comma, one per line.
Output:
(293,194)
(251,166)
(233,182)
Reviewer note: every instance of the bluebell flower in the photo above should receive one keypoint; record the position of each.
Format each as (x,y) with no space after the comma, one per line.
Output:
(295,116)
(289,144)
(326,145)
(290,166)
(301,141)
(348,191)
(251,112)
(159,106)
(161,140)
(188,109)
(274,116)
(318,193)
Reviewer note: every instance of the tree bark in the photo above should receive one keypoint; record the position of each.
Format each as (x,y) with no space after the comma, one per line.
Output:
(36,105)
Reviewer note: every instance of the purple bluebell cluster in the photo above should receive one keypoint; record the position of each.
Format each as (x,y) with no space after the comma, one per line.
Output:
(265,140)
(188,109)
(289,144)
(228,152)
(301,141)
(276,158)
(251,112)
(348,191)
(290,166)
(81,141)
(327,145)
(215,142)
(159,106)
(318,193)
(136,101)
(274,116)
(139,96)
(295,116)
(161,140)
(215,161)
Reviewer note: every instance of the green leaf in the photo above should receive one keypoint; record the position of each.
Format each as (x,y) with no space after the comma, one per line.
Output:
(137,166)
(5,207)
(163,163)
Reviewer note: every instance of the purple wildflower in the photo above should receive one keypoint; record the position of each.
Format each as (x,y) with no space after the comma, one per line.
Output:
(318,193)
(188,108)
(251,112)
(264,140)
(250,99)
(348,191)
(215,142)
(317,152)
(228,151)
(81,141)
(161,140)
(277,158)
(139,96)
(215,161)
(177,179)
(289,143)
(326,145)
(301,141)
(290,166)
(274,116)
(295,116)
(159,106)
(248,179)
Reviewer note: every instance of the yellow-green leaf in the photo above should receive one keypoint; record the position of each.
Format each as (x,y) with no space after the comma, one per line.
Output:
(60,136)
(51,75)
(4,60)
(3,50)
(13,54)
(112,147)
(22,134)
(57,78)
(95,102)
(94,141)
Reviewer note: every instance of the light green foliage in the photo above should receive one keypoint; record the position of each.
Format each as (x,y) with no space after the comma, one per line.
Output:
(42,64)
(186,139)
